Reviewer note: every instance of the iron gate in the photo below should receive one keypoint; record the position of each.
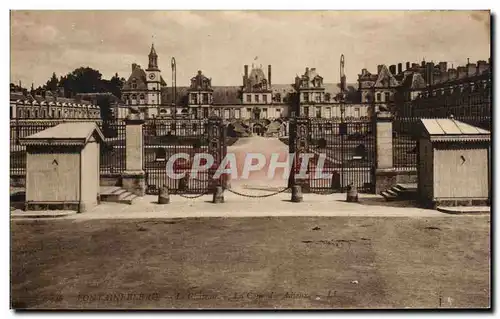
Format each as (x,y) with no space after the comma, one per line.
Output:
(345,152)
(164,138)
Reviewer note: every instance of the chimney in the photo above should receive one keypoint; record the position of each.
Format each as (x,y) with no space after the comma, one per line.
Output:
(407,65)
(400,68)
(245,75)
(462,72)
(392,69)
(423,64)
(379,68)
(307,70)
(134,66)
(430,72)
(269,75)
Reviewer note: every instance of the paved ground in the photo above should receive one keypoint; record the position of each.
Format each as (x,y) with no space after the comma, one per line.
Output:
(269,262)
(268,147)
(238,206)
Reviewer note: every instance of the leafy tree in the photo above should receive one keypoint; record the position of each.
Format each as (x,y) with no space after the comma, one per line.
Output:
(53,83)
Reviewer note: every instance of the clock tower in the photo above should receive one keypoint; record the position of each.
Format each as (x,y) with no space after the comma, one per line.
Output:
(153,80)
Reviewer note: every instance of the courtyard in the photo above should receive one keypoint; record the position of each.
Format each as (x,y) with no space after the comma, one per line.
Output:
(421,261)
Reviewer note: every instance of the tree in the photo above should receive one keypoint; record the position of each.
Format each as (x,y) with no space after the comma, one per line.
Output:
(115,85)
(53,83)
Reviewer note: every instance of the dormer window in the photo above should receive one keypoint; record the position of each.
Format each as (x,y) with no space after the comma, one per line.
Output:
(134,83)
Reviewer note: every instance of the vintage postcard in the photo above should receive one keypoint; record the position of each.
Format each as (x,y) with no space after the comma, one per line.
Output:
(250,160)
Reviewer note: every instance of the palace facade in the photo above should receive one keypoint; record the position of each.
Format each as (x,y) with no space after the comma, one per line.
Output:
(256,99)
(50,105)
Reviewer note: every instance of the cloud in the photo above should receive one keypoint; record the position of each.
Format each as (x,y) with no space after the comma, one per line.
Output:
(221,42)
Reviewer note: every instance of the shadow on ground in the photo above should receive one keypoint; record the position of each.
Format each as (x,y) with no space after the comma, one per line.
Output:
(376,201)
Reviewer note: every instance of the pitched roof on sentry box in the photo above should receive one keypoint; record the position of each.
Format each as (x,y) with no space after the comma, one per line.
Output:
(77,133)
(453,130)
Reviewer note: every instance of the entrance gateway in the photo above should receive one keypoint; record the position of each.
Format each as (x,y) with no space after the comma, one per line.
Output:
(164,138)
(348,149)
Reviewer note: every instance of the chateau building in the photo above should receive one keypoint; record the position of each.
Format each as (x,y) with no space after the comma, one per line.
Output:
(464,92)
(50,105)
(257,101)
(143,87)
(322,100)
(428,90)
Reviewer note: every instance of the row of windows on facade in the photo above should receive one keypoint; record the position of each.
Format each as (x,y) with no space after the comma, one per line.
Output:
(205,112)
(456,111)
(475,90)
(204,98)
(316,83)
(134,85)
(133,100)
(34,113)
(450,100)
(387,97)
(328,112)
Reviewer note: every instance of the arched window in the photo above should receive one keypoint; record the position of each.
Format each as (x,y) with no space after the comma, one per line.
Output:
(141,96)
(134,83)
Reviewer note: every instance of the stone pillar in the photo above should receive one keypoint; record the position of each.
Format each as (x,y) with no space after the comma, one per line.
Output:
(385,174)
(133,178)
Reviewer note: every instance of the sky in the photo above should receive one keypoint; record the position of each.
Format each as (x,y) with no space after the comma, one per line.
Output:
(220,43)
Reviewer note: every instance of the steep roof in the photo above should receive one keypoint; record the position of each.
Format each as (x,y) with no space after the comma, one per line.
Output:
(413,80)
(226,94)
(385,78)
(139,75)
(231,95)
(256,76)
(167,95)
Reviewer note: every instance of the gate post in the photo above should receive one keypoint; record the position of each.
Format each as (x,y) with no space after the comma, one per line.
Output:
(301,142)
(216,142)
(385,174)
(133,178)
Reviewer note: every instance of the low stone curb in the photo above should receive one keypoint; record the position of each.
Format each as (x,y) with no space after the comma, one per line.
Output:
(463,210)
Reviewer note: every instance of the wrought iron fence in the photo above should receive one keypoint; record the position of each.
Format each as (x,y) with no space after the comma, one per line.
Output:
(113,152)
(164,138)
(348,150)
(404,142)
(112,155)
(405,135)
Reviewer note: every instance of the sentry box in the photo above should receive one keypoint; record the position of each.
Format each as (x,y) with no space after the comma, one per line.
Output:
(62,167)
(453,164)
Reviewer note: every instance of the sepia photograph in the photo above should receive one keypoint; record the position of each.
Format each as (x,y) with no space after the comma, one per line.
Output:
(250,159)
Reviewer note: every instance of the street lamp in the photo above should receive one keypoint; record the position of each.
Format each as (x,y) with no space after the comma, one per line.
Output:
(174,86)
(342,88)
